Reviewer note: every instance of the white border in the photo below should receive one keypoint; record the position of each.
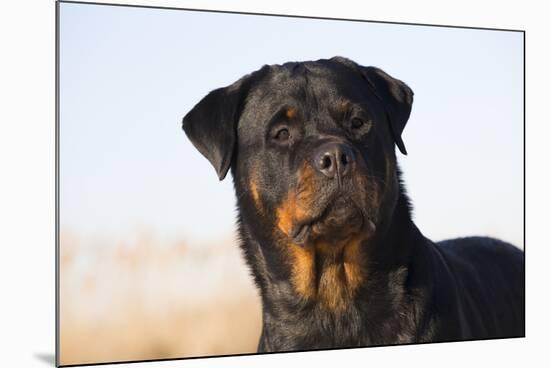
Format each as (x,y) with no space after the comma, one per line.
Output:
(27,185)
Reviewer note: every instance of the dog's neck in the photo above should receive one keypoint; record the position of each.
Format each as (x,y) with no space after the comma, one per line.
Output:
(336,301)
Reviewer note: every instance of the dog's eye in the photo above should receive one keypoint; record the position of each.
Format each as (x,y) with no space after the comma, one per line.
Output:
(282,135)
(358,126)
(356,123)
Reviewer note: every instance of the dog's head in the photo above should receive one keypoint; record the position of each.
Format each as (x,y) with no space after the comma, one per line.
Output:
(311,149)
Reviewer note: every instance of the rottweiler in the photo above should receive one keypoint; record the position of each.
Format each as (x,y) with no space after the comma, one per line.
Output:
(325,223)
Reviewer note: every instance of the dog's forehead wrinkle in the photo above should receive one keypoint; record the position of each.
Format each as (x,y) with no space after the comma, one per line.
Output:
(307,84)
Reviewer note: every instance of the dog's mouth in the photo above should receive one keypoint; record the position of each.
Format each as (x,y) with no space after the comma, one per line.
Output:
(339,220)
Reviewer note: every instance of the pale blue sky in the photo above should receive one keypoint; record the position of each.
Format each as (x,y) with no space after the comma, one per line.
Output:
(128,76)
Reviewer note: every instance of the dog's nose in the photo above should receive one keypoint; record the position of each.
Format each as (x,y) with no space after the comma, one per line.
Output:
(334,159)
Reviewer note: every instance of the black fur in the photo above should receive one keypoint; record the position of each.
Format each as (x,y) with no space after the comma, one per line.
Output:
(411,289)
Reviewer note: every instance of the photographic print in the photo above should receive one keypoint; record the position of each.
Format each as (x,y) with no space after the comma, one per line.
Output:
(234,183)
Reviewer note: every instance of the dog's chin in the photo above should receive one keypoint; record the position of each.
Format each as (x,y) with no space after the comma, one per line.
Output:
(340,220)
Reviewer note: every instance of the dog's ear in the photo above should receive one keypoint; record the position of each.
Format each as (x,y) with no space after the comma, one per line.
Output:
(212,124)
(397,98)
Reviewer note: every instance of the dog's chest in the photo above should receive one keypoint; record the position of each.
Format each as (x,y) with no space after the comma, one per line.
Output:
(313,329)
(317,329)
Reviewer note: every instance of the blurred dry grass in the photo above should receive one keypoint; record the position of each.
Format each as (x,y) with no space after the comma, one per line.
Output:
(151,299)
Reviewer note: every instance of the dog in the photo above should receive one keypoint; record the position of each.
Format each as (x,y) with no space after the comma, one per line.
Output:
(325,223)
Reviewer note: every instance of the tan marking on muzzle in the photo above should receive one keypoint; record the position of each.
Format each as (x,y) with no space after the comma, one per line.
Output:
(255,194)
(296,207)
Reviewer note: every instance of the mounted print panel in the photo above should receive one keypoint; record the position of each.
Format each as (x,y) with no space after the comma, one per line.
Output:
(241,183)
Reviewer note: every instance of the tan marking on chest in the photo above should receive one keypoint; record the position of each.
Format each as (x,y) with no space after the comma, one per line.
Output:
(331,281)
(303,270)
(343,274)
